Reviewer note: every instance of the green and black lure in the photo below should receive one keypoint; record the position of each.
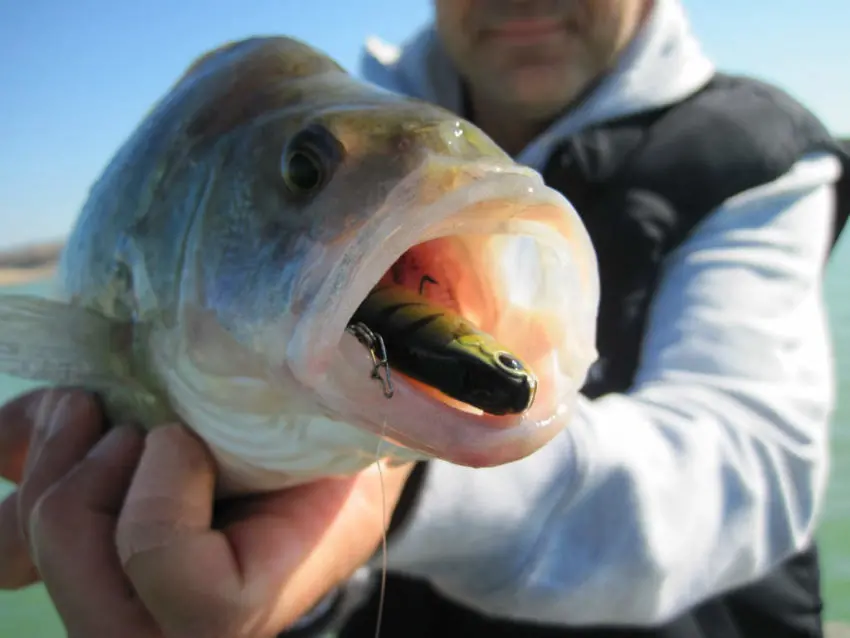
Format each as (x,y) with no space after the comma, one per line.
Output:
(441,349)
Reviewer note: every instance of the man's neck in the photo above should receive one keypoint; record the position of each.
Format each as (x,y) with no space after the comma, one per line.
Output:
(507,125)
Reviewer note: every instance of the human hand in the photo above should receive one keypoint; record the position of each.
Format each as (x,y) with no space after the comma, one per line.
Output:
(119,525)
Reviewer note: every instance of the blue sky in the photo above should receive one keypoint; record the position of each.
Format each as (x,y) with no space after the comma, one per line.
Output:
(77,75)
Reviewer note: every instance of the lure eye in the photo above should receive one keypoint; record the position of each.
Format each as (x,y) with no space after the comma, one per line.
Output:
(310,159)
(509,362)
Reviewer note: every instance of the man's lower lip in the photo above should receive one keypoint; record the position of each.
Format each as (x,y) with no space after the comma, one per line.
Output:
(525,30)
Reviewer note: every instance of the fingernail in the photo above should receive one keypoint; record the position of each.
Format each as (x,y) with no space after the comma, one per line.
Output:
(47,405)
(48,416)
(63,410)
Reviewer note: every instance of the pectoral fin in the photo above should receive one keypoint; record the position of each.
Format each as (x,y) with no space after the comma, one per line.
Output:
(67,345)
(46,340)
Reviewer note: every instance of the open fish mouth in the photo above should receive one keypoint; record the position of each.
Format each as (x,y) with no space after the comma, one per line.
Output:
(499,248)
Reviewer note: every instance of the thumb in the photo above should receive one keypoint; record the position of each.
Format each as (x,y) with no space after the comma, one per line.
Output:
(171,496)
(183,571)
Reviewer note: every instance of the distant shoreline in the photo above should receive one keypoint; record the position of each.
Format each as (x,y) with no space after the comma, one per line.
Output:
(29,263)
(19,276)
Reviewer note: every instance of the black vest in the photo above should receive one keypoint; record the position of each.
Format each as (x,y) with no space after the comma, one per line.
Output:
(641,185)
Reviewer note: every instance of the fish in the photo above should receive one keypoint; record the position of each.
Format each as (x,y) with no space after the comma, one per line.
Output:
(213,271)
(443,351)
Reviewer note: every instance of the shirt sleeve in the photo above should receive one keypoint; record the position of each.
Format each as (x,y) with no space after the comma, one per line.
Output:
(704,476)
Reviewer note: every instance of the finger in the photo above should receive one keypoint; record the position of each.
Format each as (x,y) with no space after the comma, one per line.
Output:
(66,430)
(24,422)
(184,572)
(258,575)
(73,537)
(187,574)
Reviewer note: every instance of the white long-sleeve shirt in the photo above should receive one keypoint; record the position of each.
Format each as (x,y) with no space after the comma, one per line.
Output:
(712,468)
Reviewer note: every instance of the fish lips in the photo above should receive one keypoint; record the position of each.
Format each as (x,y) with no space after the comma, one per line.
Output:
(350,270)
(416,211)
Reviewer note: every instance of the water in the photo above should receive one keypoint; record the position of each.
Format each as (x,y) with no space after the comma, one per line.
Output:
(29,613)
(835,524)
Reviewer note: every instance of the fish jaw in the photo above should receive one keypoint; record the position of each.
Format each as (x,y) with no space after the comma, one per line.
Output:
(426,424)
(486,207)
(265,431)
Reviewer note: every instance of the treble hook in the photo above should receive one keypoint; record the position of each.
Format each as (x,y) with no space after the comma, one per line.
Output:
(374,343)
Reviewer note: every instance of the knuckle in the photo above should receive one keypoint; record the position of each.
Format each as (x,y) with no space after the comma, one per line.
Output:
(152,523)
(137,537)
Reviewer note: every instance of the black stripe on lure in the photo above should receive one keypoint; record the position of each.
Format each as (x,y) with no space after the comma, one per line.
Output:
(441,349)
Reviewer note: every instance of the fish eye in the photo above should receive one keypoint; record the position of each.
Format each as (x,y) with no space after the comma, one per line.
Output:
(310,159)
(509,362)
(303,170)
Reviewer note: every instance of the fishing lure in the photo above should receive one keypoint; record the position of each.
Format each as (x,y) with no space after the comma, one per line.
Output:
(438,347)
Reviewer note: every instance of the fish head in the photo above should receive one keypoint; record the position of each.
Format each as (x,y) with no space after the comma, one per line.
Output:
(320,187)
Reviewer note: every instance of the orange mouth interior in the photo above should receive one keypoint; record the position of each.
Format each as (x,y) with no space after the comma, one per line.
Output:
(440,271)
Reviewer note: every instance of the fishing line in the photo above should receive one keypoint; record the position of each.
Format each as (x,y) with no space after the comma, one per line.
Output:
(384,522)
